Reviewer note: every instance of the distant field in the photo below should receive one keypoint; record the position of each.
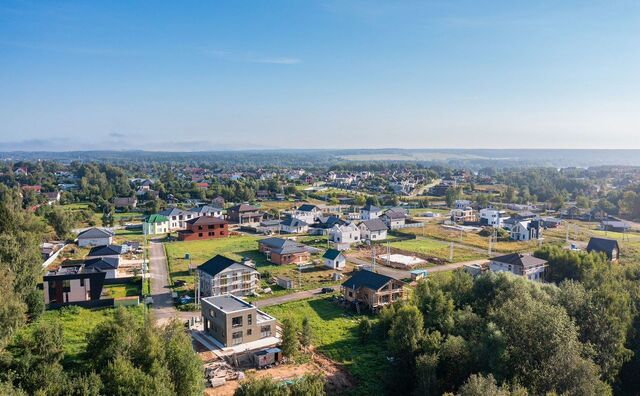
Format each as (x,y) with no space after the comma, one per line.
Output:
(409,156)
(335,335)
(438,249)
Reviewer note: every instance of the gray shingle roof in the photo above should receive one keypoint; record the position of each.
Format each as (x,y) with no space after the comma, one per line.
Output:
(293,222)
(374,225)
(95,232)
(332,254)
(307,208)
(106,250)
(219,263)
(602,245)
(523,260)
(368,279)
(103,263)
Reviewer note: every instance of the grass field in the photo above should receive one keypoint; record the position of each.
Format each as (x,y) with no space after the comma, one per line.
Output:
(335,335)
(237,247)
(472,239)
(438,249)
(129,235)
(124,290)
(77,323)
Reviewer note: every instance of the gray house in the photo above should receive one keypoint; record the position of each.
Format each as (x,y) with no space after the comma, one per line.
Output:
(233,321)
(221,275)
(95,237)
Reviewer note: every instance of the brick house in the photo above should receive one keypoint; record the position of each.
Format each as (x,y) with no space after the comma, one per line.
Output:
(204,227)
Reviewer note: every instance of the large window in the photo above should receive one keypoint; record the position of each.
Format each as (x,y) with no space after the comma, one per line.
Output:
(236,338)
(265,331)
(237,321)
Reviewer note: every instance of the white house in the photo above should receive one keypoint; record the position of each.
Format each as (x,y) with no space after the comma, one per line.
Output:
(155,224)
(294,226)
(307,213)
(178,218)
(369,212)
(493,217)
(334,259)
(519,264)
(207,210)
(95,237)
(343,235)
(373,230)
(109,265)
(526,230)
(221,275)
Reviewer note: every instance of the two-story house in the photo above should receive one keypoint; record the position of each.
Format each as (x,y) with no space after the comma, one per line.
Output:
(527,230)
(207,210)
(178,218)
(344,235)
(394,218)
(294,225)
(155,224)
(369,212)
(232,321)
(520,264)
(493,217)
(221,275)
(244,214)
(204,227)
(372,290)
(307,213)
(373,230)
(72,284)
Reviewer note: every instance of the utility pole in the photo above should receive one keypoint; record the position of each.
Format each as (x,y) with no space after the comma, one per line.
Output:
(451,252)
(197,282)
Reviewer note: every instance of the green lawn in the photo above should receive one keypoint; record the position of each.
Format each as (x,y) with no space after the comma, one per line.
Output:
(437,249)
(77,323)
(129,235)
(124,290)
(335,335)
(237,247)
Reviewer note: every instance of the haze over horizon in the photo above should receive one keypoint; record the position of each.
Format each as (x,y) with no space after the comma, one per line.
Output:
(319,74)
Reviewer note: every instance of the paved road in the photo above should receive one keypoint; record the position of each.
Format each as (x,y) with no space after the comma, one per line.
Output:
(162,307)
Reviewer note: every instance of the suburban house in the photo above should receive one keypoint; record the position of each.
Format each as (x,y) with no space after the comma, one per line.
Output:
(373,230)
(334,259)
(178,218)
(107,251)
(53,197)
(492,217)
(233,321)
(464,215)
(527,230)
(125,202)
(108,264)
(95,237)
(609,247)
(155,224)
(207,210)
(244,214)
(307,213)
(72,284)
(369,212)
(614,225)
(204,227)
(221,275)
(394,218)
(344,235)
(294,226)
(520,264)
(324,224)
(372,290)
(218,202)
(284,251)
(461,203)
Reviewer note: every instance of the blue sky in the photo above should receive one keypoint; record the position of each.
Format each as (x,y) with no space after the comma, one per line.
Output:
(334,73)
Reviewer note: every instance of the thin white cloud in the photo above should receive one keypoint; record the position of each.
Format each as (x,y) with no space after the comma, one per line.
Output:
(253,58)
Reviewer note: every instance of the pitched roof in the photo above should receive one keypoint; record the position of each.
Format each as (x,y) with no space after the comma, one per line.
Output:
(283,246)
(206,220)
(332,254)
(293,222)
(602,245)
(103,263)
(395,214)
(219,263)
(156,218)
(371,208)
(243,208)
(106,250)
(368,279)
(523,260)
(307,208)
(172,212)
(205,209)
(95,232)
(374,225)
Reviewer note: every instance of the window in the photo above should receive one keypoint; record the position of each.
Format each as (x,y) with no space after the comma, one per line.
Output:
(265,331)
(66,285)
(249,332)
(236,338)
(200,235)
(249,319)
(81,282)
(237,321)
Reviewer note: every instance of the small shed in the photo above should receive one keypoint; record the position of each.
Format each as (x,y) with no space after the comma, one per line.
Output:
(418,274)
(284,282)
(267,357)
(334,259)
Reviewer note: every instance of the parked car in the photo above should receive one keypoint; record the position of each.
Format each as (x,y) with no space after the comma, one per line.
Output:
(326,290)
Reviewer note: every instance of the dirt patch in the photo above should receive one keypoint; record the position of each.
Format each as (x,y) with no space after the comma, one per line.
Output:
(338,378)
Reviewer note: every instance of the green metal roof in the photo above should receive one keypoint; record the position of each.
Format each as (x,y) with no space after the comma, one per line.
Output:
(156,218)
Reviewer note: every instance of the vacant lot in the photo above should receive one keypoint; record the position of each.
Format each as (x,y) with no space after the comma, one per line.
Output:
(335,335)
(124,290)
(472,239)
(438,249)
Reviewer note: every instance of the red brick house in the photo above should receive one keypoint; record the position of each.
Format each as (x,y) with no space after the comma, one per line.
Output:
(204,227)
(284,251)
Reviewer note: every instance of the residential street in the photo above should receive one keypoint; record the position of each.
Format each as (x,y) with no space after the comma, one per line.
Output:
(162,307)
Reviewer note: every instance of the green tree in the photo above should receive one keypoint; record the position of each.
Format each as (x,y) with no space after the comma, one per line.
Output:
(364,329)
(407,330)
(265,386)
(306,335)
(426,375)
(290,344)
(308,385)
(184,365)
